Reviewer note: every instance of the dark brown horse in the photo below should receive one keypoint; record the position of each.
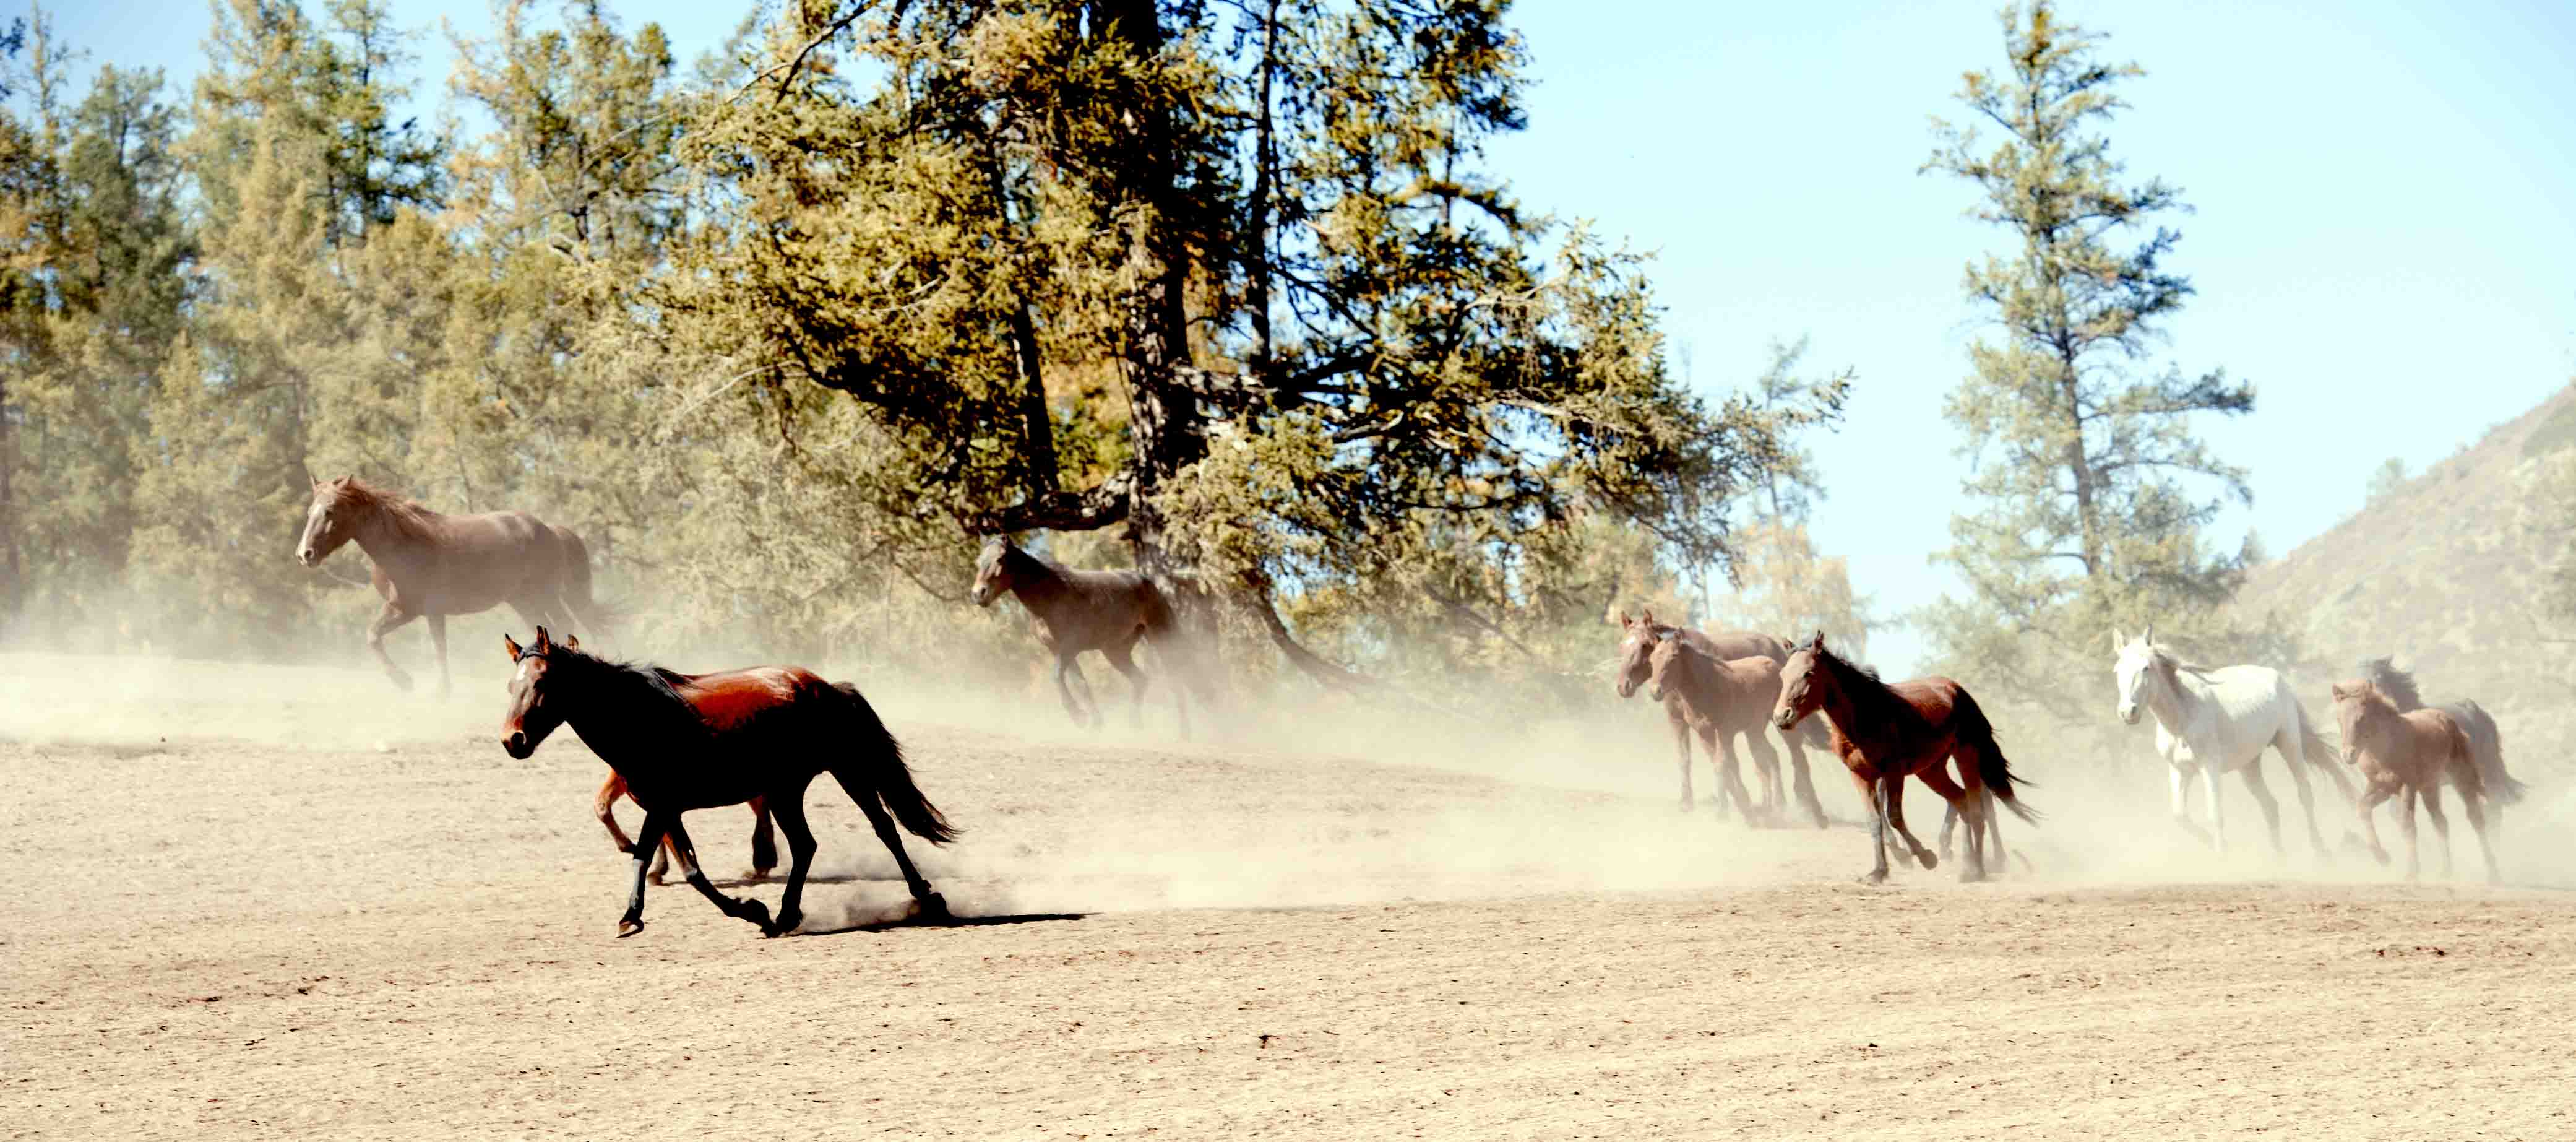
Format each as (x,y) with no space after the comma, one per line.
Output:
(1107,611)
(2411,753)
(1886,733)
(430,566)
(1638,639)
(2486,742)
(688,742)
(764,843)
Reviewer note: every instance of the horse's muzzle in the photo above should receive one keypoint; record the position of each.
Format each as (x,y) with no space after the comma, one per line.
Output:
(1656,694)
(517,745)
(307,557)
(1784,722)
(2128,715)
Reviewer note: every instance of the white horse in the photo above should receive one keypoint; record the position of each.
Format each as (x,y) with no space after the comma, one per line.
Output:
(2217,722)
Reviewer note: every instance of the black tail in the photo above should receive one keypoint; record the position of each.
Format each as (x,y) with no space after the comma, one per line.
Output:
(2314,747)
(1974,729)
(890,776)
(1185,656)
(597,615)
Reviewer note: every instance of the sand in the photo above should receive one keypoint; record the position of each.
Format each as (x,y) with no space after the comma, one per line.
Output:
(263,902)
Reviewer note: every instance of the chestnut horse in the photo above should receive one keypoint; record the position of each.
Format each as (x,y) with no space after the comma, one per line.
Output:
(764,843)
(2486,742)
(429,566)
(1107,611)
(2412,753)
(1639,638)
(695,742)
(1886,733)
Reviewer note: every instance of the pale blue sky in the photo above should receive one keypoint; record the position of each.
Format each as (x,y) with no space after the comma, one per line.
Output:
(2385,242)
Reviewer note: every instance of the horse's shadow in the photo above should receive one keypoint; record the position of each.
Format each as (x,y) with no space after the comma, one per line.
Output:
(951,921)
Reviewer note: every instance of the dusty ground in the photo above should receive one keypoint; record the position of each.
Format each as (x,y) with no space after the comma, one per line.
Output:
(264,902)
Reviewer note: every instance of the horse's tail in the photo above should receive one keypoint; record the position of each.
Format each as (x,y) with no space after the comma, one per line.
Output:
(1185,655)
(2486,746)
(889,776)
(576,586)
(1992,769)
(2323,755)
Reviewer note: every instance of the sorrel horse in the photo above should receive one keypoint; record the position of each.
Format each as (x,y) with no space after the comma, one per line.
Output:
(2218,722)
(764,843)
(1720,700)
(429,566)
(688,742)
(1886,733)
(2486,742)
(1078,611)
(1638,639)
(2412,753)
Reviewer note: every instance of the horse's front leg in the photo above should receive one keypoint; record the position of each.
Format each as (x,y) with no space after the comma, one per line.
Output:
(2217,805)
(609,791)
(2406,825)
(1879,793)
(1065,671)
(2181,777)
(1766,764)
(1805,785)
(2441,827)
(1896,813)
(648,840)
(1721,756)
(391,616)
(764,843)
(2370,820)
(740,908)
(1682,749)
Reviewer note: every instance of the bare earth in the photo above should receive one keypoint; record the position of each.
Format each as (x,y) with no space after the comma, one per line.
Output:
(260,901)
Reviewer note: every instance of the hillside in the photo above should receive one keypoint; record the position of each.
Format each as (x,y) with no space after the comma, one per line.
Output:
(2441,573)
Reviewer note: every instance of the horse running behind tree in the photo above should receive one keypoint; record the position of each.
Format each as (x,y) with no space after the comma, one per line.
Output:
(1886,733)
(1108,611)
(2216,722)
(1640,637)
(429,566)
(2486,742)
(2411,753)
(686,742)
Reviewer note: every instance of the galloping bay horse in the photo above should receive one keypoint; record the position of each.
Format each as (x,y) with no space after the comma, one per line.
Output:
(1720,699)
(686,742)
(1640,636)
(429,566)
(1107,611)
(1885,733)
(2486,742)
(2411,753)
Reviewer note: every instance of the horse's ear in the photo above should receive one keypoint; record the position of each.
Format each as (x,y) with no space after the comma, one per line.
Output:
(512,644)
(1619,616)
(1647,618)
(2118,639)
(2339,692)
(572,642)
(2149,637)
(543,643)
(317,480)
(344,480)
(1819,641)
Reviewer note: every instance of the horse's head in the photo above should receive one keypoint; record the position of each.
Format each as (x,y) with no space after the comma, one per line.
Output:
(993,570)
(1800,692)
(1664,663)
(329,521)
(531,715)
(2138,662)
(1637,640)
(2361,713)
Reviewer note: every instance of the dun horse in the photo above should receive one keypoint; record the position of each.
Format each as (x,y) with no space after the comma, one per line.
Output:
(2486,742)
(1886,733)
(2411,753)
(2218,722)
(1107,611)
(695,742)
(1641,636)
(429,566)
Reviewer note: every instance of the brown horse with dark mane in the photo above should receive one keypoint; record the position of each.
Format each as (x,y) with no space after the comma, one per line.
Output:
(1885,733)
(1641,636)
(686,742)
(2486,742)
(1720,700)
(2411,753)
(429,566)
(1108,611)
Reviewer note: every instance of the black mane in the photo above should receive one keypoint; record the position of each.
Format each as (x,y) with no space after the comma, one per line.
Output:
(2397,684)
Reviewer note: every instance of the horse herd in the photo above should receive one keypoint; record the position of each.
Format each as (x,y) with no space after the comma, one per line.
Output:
(677,742)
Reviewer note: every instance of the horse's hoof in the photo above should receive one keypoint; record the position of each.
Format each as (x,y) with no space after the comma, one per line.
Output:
(788,923)
(757,913)
(1874,877)
(1928,860)
(933,907)
(757,875)
(401,682)
(627,928)
(655,879)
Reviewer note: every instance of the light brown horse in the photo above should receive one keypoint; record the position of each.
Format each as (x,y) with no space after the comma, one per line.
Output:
(1885,733)
(1720,700)
(687,742)
(1108,611)
(2412,752)
(764,843)
(429,566)
(1638,639)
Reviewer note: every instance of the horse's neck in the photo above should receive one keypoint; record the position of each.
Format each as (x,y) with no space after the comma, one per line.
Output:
(630,732)
(1037,585)
(1842,706)
(2173,700)
(388,541)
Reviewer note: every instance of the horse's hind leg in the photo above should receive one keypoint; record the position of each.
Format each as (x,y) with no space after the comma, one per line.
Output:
(1805,785)
(2477,809)
(1682,747)
(1936,777)
(1122,659)
(2441,827)
(2263,799)
(740,908)
(2406,825)
(606,804)
(1721,756)
(1766,762)
(932,905)
(438,641)
(2294,750)
(764,845)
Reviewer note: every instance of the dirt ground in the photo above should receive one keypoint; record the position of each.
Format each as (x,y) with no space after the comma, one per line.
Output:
(264,901)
